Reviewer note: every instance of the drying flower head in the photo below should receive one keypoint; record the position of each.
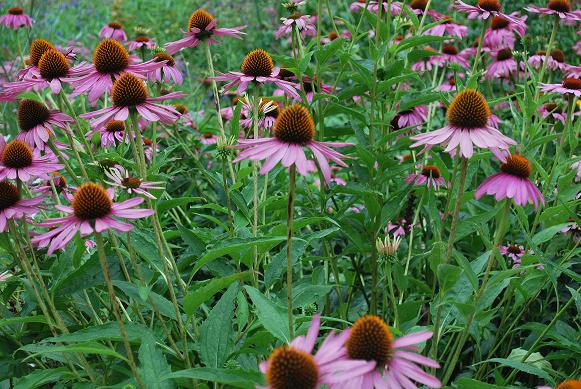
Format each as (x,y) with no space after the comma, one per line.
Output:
(141,42)
(302,23)
(168,71)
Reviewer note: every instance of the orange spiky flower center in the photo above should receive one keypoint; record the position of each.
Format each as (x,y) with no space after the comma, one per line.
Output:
(517,165)
(9,195)
(258,63)
(91,201)
(200,19)
(53,64)
(294,125)
(291,368)
(469,109)
(17,155)
(128,91)
(431,171)
(370,340)
(490,5)
(559,5)
(110,57)
(37,48)
(30,114)
(115,126)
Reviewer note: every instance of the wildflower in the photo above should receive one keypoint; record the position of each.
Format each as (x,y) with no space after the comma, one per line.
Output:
(568,86)
(502,30)
(141,42)
(370,339)
(207,138)
(18,161)
(485,9)
(429,176)
(303,24)
(448,27)
(512,182)
(202,27)
(560,8)
(373,6)
(450,55)
(257,68)
(12,206)
(110,61)
(35,121)
(503,66)
(168,71)
(16,18)
(290,365)
(268,111)
(388,247)
(130,93)
(111,133)
(294,130)
(553,111)
(120,178)
(113,30)
(92,210)
(468,125)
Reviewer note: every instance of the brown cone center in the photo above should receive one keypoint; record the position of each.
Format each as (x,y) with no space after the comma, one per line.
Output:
(37,48)
(290,368)
(17,155)
(559,5)
(53,64)
(431,171)
(258,63)
(30,114)
(110,57)
(469,109)
(128,91)
(91,201)
(294,125)
(518,166)
(9,195)
(490,5)
(370,340)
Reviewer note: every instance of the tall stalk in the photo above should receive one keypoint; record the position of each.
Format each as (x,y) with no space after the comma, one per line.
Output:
(289,251)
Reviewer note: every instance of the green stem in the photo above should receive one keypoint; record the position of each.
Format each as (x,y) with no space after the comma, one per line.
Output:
(479,49)
(289,252)
(77,125)
(457,207)
(548,54)
(411,242)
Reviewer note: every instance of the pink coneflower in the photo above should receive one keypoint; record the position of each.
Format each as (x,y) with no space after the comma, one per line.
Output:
(294,130)
(130,93)
(449,28)
(419,8)
(426,63)
(120,178)
(141,42)
(16,18)
(397,362)
(568,86)
(449,85)
(576,166)
(12,206)
(503,65)
(398,228)
(484,9)
(430,176)
(468,125)
(53,69)
(373,6)
(290,365)
(413,117)
(333,35)
(514,252)
(20,162)
(168,71)
(92,210)
(110,61)
(113,30)
(268,111)
(202,27)
(450,55)
(303,24)
(35,121)
(572,229)
(148,148)
(111,133)
(573,71)
(512,182)
(560,8)
(554,111)
(556,60)
(502,30)
(59,183)
(257,68)
(577,47)
(207,138)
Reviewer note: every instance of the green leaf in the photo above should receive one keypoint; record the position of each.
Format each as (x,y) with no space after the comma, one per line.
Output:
(87,276)
(105,331)
(448,275)
(25,319)
(521,366)
(199,296)
(467,383)
(577,298)
(164,306)
(216,332)
(548,233)
(83,348)
(153,365)
(42,377)
(165,205)
(237,378)
(273,317)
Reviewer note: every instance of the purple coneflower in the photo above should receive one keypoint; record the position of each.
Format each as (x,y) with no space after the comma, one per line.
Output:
(373,6)
(289,365)
(429,176)
(514,252)
(397,363)
(202,26)
(554,111)
(15,18)
(512,182)
(20,162)
(468,125)
(12,206)
(35,121)
(303,24)
(141,42)
(110,61)
(484,9)
(560,8)
(207,138)
(112,132)
(92,210)
(294,130)
(450,55)
(120,178)
(130,93)
(502,30)
(568,384)
(413,117)
(503,65)
(268,111)
(168,71)
(113,30)
(556,60)
(257,68)
(568,86)
(448,28)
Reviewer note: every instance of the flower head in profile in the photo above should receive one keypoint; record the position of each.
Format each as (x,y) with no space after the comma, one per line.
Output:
(268,111)
(569,86)
(388,246)
(303,24)
(484,9)
(468,126)
(35,121)
(552,111)
(503,65)
(12,206)
(141,42)
(373,6)
(19,161)
(92,210)
(450,55)
(257,68)
(129,94)
(447,28)
(514,252)
(168,71)
(502,30)
(397,363)
(16,18)
(293,130)
(113,30)
(556,60)
(512,182)
(429,176)
(559,8)
(110,61)
(111,133)
(202,26)
(297,366)
(121,178)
